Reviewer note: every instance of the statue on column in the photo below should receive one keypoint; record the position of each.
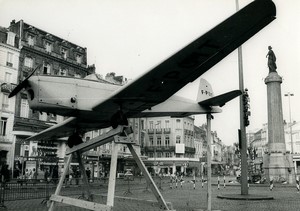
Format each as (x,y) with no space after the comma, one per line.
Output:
(271,60)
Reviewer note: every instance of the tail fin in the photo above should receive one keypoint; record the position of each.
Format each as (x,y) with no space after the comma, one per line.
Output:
(205,91)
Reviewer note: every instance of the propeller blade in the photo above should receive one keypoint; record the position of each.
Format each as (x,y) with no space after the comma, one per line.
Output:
(23,84)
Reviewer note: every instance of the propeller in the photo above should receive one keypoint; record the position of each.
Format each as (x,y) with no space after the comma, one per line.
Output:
(23,84)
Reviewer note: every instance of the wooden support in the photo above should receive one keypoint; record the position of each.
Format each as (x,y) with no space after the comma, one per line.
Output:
(80,203)
(97,141)
(141,165)
(111,136)
(61,181)
(86,186)
(112,175)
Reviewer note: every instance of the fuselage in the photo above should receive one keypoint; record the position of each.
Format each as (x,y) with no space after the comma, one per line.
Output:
(68,96)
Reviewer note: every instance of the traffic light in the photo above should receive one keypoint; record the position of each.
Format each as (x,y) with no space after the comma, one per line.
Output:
(246,101)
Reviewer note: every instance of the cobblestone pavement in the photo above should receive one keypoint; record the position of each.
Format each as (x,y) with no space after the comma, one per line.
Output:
(189,199)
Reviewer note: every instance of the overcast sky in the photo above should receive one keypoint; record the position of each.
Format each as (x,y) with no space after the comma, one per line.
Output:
(129,37)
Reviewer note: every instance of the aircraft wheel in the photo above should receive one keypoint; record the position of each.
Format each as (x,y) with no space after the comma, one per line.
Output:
(117,119)
(74,140)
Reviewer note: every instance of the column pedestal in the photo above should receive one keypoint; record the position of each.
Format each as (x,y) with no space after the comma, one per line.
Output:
(277,164)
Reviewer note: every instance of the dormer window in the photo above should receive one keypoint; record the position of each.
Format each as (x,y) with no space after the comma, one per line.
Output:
(64,53)
(10,38)
(48,47)
(30,40)
(78,59)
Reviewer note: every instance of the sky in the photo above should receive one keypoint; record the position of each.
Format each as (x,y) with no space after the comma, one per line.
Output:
(129,37)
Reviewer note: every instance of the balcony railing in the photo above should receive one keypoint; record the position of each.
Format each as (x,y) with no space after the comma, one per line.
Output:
(7,87)
(159,148)
(167,130)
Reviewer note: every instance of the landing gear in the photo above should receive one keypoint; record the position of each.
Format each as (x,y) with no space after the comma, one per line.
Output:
(74,140)
(119,118)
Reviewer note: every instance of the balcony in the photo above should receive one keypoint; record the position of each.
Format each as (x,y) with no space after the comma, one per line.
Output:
(32,125)
(167,130)
(190,150)
(158,131)
(150,131)
(7,87)
(159,148)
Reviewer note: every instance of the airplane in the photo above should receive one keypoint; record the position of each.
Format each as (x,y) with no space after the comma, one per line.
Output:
(91,105)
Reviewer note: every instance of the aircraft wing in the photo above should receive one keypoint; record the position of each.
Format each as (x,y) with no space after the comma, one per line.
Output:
(192,61)
(158,84)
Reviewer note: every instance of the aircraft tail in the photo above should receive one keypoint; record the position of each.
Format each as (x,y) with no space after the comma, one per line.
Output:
(206,96)
(205,91)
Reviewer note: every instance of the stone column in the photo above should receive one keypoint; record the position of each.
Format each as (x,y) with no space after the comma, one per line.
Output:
(278,165)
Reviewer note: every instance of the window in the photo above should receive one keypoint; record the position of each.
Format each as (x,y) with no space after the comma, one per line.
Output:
(5,101)
(48,47)
(167,141)
(30,40)
(9,61)
(178,123)
(151,155)
(159,154)
(64,53)
(7,77)
(158,141)
(78,58)
(168,154)
(167,122)
(46,70)
(178,139)
(151,125)
(10,38)
(24,108)
(28,62)
(158,125)
(151,140)
(3,123)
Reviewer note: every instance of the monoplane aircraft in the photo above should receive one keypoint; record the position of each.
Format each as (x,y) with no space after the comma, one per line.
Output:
(93,105)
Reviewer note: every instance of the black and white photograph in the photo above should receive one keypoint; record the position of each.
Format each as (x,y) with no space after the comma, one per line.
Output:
(149,105)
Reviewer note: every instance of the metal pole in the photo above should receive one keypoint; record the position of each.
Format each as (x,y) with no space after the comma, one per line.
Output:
(208,117)
(290,113)
(244,164)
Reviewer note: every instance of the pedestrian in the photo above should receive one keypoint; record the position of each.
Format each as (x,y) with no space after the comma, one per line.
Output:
(176,180)
(55,174)
(46,175)
(297,184)
(4,173)
(88,173)
(271,183)
(181,180)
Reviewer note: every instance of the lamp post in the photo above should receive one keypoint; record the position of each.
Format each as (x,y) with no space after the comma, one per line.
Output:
(291,130)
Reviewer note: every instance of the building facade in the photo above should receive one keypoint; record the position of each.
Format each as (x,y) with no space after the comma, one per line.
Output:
(9,63)
(55,56)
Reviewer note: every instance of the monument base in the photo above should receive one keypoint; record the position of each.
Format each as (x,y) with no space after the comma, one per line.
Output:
(278,167)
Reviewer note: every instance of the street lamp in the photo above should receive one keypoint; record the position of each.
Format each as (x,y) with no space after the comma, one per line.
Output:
(291,131)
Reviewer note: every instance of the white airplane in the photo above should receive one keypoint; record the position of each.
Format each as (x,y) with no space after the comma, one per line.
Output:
(94,105)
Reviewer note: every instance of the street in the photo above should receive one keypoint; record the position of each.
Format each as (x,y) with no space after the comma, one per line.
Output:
(186,198)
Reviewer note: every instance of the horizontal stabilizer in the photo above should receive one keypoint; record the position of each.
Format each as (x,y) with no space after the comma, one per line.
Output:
(220,100)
